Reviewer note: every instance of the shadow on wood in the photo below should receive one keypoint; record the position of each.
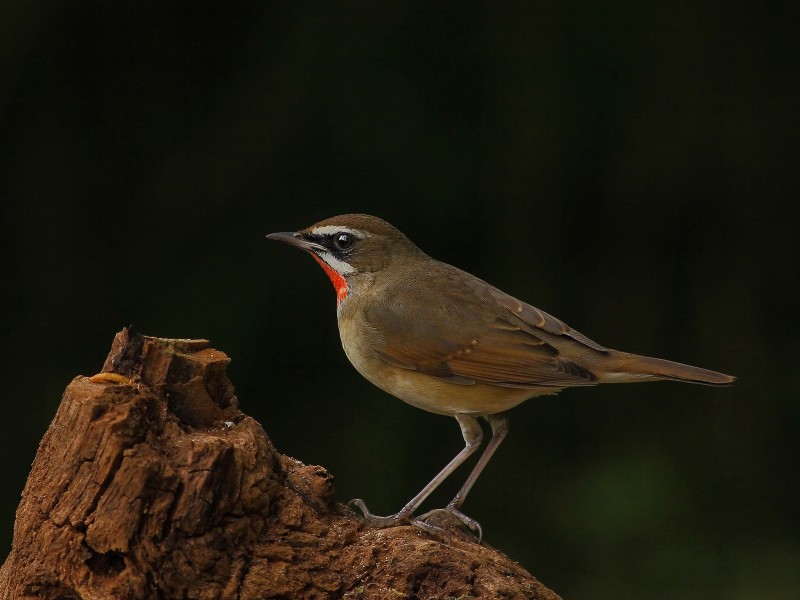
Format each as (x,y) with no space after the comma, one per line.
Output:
(151,483)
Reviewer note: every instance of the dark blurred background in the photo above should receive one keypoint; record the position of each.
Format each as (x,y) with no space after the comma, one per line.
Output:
(629,167)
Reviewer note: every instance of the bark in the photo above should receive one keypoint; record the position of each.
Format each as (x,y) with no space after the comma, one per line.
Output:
(156,485)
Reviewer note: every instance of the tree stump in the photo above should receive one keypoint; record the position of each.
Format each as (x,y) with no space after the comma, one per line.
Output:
(151,483)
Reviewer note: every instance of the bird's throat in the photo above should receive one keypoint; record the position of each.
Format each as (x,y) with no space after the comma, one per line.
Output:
(339,283)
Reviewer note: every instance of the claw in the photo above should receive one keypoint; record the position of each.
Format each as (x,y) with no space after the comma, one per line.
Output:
(440,515)
(450,511)
(377,520)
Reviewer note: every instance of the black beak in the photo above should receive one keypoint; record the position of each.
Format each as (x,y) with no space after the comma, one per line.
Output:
(296,239)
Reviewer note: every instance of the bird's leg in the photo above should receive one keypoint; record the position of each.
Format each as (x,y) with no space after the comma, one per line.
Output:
(499,424)
(473,434)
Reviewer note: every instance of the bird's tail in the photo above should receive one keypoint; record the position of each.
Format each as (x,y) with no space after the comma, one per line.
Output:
(623,367)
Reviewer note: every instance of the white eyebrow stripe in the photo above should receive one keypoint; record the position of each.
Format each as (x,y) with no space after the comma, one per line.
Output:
(331,229)
(334,263)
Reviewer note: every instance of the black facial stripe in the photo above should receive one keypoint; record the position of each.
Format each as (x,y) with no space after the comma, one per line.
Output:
(317,239)
(328,241)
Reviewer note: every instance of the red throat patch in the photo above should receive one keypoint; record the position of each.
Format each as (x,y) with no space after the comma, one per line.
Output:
(339,284)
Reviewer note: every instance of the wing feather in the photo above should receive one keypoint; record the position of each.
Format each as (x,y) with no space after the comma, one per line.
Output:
(471,332)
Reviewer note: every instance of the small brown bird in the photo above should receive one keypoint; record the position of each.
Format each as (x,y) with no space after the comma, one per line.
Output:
(447,342)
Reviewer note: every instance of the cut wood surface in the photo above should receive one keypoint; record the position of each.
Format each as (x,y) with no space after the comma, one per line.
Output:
(151,483)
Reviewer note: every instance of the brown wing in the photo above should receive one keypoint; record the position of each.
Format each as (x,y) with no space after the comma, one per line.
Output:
(470,332)
(537,318)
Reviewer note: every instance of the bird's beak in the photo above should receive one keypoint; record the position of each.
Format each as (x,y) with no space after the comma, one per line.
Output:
(296,239)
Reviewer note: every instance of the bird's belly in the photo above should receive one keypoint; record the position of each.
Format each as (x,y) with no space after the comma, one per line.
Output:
(439,396)
(431,393)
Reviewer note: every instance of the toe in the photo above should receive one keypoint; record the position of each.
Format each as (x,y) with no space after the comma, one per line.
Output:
(449,519)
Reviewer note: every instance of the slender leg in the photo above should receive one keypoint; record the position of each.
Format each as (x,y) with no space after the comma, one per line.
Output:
(499,424)
(473,434)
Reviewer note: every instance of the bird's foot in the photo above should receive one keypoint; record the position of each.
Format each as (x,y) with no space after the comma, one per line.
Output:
(445,519)
(377,520)
(438,520)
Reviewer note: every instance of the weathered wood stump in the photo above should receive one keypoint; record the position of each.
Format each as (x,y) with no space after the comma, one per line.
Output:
(153,484)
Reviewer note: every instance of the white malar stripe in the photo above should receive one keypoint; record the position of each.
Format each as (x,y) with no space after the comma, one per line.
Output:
(332,229)
(337,265)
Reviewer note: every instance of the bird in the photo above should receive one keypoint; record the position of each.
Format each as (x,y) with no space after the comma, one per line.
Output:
(449,343)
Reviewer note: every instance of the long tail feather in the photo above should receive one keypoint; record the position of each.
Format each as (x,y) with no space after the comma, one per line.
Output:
(627,367)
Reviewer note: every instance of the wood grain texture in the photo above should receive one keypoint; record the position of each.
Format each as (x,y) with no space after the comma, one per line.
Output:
(160,487)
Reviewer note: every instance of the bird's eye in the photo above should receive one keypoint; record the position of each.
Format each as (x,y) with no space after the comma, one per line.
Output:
(343,241)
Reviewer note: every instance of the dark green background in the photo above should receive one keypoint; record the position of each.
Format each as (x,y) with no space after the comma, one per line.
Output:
(629,167)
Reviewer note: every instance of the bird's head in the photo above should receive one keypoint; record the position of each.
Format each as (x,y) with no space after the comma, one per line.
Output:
(349,247)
